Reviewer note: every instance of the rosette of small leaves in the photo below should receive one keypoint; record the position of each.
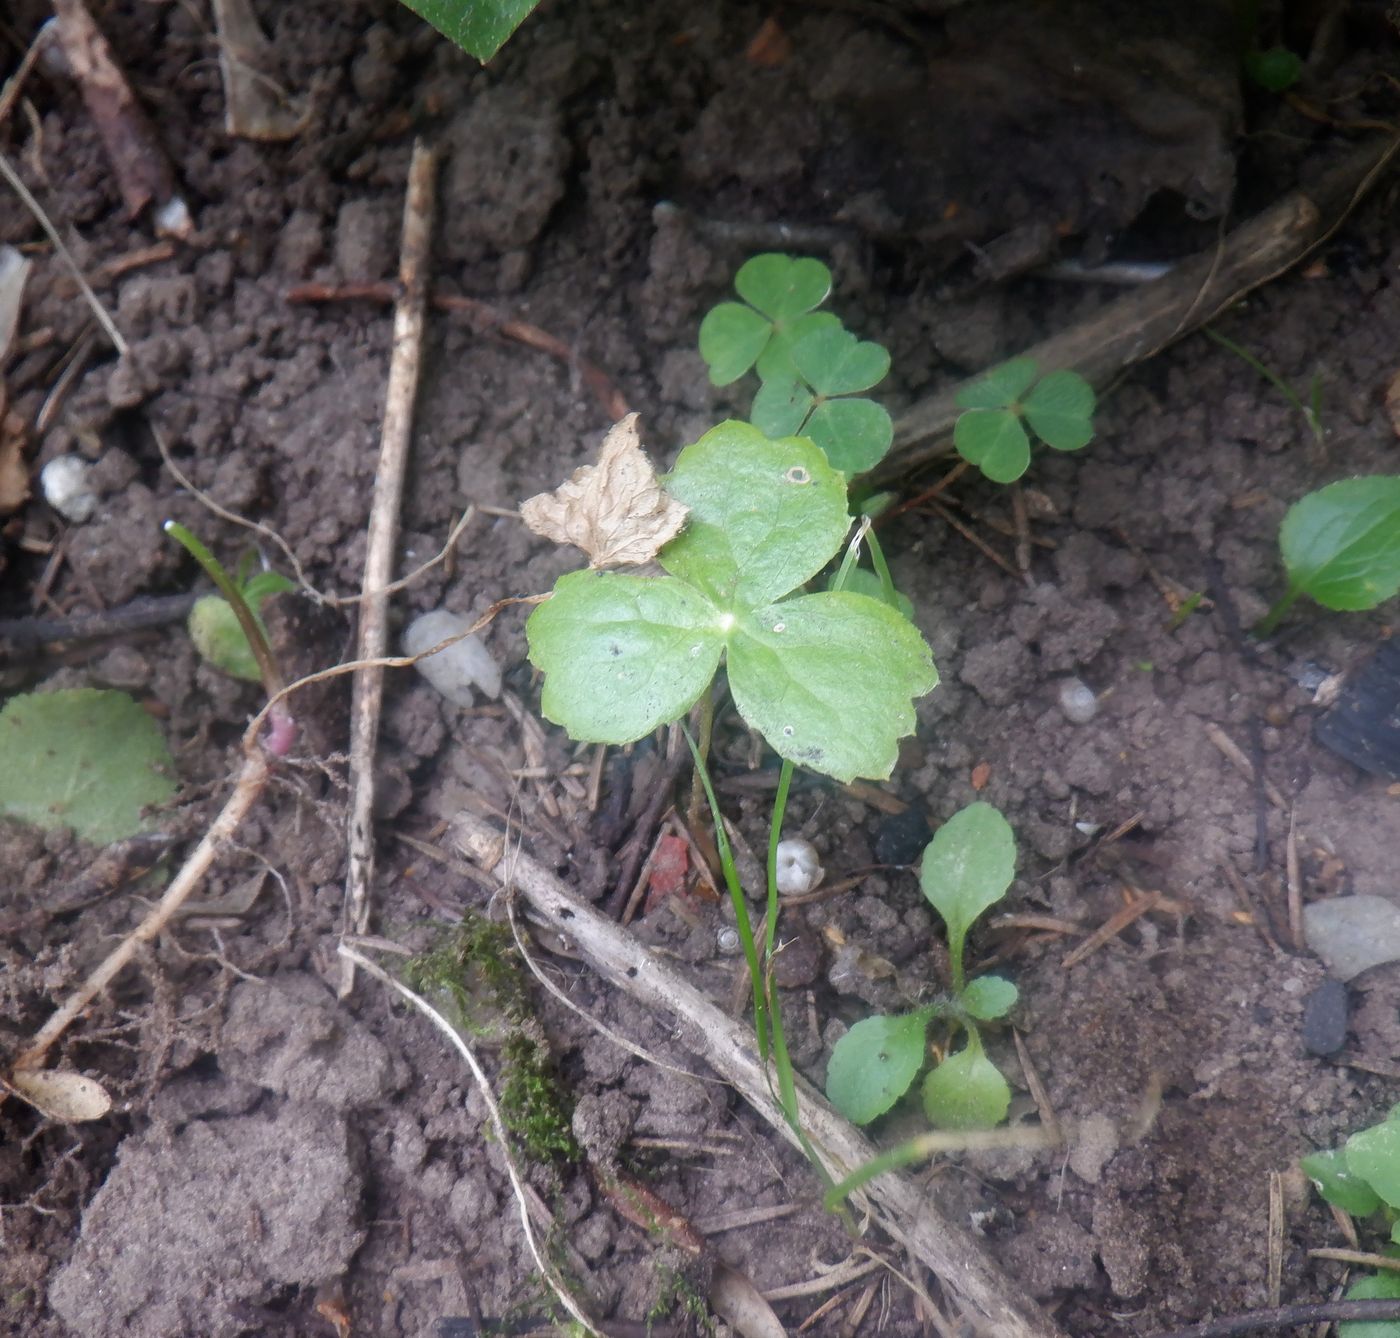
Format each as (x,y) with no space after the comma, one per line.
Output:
(966,868)
(827,678)
(812,369)
(991,434)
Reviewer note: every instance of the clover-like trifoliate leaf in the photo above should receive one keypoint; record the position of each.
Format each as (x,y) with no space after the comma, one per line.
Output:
(1061,410)
(765,516)
(83,759)
(1000,387)
(731,338)
(989,997)
(781,406)
(1341,544)
(782,287)
(873,1064)
(966,1091)
(776,358)
(828,680)
(994,441)
(854,433)
(834,362)
(622,654)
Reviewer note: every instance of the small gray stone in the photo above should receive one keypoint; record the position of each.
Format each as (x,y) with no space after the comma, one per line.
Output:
(1352,934)
(1325,1019)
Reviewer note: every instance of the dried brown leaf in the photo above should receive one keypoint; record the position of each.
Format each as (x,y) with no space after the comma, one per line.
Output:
(615,510)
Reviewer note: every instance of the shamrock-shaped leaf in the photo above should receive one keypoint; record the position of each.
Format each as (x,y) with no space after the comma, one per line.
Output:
(781,293)
(873,1064)
(994,441)
(966,1091)
(854,433)
(835,362)
(991,434)
(999,388)
(989,997)
(731,338)
(622,654)
(781,406)
(782,287)
(1061,410)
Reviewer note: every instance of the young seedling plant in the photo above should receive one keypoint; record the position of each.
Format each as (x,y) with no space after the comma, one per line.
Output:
(966,869)
(1362,1177)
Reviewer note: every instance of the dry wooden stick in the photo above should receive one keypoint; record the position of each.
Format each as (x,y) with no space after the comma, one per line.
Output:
(902,1208)
(383,532)
(1147,320)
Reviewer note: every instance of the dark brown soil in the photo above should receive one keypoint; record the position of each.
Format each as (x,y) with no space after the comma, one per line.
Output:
(277,1158)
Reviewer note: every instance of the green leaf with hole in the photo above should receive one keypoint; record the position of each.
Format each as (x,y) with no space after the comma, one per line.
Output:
(781,406)
(1376,1287)
(783,287)
(479,27)
(854,433)
(731,338)
(1060,410)
(828,680)
(835,362)
(765,516)
(994,441)
(1373,1155)
(966,1091)
(1001,387)
(84,759)
(1335,1182)
(989,997)
(1341,544)
(622,654)
(873,1064)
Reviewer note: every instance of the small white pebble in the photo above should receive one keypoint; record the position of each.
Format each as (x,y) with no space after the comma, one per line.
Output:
(454,672)
(1077,701)
(798,868)
(67,484)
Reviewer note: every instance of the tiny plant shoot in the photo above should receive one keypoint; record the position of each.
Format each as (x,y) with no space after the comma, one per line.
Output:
(215,629)
(966,869)
(1341,547)
(991,433)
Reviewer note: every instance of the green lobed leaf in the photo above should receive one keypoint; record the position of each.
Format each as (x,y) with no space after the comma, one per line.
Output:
(1376,1287)
(782,287)
(854,433)
(776,359)
(84,759)
(1331,1178)
(1061,410)
(1373,1155)
(863,581)
(1341,544)
(731,338)
(873,1064)
(765,516)
(994,441)
(479,27)
(622,654)
(989,997)
(834,362)
(781,406)
(966,1091)
(968,865)
(828,680)
(1002,386)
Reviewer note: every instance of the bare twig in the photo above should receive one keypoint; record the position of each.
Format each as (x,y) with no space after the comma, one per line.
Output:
(1288,1317)
(1112,927)
(383,530)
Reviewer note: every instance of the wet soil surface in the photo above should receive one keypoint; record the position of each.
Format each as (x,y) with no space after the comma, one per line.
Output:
(279,1161)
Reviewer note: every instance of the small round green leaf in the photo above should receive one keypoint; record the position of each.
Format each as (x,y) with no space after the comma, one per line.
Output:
(776,359)
(781,287)
(854,433)
(968,865)
(622,654)
(966,1091)
(731,338)
(1061,410)
(834,362)
(1330,1176)
(873,1064)
(1373,1155)
(994,441)
(828,680)
(1275,70)
(83,759)
(1341,544)
(765,516)
(1002,386)
(1376,1287)
(781,406)
(989,997)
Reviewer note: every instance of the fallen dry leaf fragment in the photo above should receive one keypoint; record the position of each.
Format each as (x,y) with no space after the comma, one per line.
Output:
(615,510)
(67,1097)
